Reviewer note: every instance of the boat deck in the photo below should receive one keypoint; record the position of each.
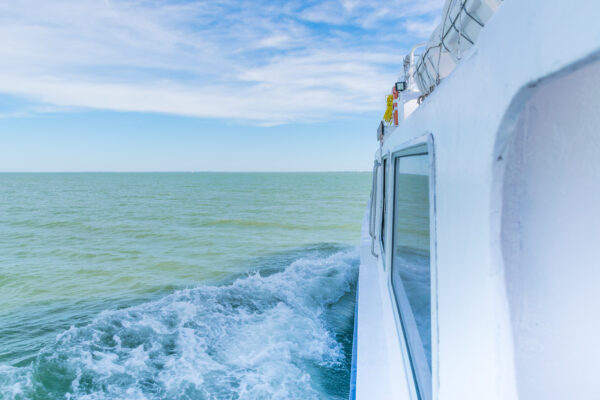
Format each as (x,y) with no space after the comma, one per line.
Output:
(380,368)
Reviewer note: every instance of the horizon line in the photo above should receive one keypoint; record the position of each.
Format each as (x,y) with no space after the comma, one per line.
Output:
(177,172)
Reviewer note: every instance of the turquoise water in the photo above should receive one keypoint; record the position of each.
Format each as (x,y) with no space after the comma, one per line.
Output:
(178,285)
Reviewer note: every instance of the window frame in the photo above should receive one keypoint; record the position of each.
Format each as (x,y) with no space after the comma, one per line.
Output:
(416,364)
(383,222)
(373,206)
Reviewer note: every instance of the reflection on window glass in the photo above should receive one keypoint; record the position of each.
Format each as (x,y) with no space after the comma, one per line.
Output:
(410,261)
(384,214)
(373,207)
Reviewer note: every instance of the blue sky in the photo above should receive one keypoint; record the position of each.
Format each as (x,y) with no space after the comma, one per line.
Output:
(136,85)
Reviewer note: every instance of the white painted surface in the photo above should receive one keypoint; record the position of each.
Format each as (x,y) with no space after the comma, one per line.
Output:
(510,324)
(379,375)
(550,238)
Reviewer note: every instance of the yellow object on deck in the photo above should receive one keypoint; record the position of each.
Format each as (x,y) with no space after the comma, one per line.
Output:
(387,117)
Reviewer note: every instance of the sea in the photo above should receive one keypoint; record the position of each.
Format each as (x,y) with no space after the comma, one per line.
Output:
(178,285)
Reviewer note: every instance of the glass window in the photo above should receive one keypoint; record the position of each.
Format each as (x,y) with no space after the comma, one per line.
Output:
(411,261)
(373,205)
(384,200)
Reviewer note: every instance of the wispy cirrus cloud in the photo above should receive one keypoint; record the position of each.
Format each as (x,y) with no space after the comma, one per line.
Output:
(250,60)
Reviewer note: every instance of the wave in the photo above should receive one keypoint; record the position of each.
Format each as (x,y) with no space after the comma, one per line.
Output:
(253,223)
(264,336)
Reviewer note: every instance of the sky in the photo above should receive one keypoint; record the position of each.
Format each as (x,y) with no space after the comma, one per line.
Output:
(200,85)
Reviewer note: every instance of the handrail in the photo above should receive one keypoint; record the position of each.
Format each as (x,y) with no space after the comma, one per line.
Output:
(460,27)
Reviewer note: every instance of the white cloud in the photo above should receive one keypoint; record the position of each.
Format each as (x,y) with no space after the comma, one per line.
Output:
(421,29)
(220,59)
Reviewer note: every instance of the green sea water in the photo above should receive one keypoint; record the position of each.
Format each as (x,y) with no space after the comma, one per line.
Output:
(178,285)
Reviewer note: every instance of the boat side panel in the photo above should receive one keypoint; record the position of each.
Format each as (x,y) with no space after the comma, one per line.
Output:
(549,232)
(380,369)
(523,43)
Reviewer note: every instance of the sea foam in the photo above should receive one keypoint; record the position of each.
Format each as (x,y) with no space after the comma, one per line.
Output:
(260,337)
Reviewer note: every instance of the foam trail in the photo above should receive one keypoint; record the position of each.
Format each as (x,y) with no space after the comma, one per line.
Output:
(261,337)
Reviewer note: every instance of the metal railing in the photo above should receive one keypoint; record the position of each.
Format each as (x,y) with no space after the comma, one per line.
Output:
(462,22)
